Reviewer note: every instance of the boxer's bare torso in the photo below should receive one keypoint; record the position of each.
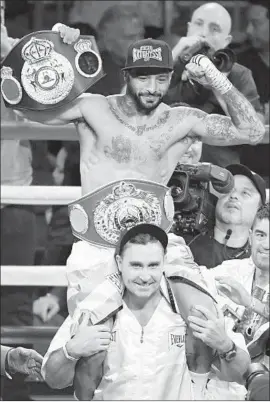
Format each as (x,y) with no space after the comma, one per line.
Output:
(120,146)
(120,141)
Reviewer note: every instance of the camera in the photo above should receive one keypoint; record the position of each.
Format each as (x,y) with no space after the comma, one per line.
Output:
(223,59)
(193,202)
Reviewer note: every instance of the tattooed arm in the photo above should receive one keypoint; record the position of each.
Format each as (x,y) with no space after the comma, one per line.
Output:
(242,126)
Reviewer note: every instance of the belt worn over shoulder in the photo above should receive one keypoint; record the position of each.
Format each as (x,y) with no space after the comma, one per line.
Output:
(42,72)
(99,217)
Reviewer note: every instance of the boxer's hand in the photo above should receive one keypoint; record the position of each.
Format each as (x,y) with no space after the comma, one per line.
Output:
(25,361)
(69,35)
(88,340)
(197,70)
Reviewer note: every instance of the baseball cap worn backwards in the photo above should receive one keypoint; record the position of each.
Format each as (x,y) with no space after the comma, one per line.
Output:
(149,53)
(143,228)
(256,179)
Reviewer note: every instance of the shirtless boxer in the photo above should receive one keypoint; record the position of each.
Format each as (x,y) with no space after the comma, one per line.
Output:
(137,136)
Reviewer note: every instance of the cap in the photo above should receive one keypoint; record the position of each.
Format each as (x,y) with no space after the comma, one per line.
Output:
(257,180)
(143,228)
(149,53)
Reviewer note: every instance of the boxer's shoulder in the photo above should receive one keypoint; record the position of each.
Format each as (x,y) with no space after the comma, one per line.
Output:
(95,100)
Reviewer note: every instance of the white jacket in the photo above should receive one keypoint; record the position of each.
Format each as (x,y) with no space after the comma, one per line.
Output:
(146,363)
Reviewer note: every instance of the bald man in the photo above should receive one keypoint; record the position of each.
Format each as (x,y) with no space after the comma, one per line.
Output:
(211,22)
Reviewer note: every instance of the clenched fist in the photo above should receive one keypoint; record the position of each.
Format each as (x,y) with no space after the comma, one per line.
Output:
(201,69)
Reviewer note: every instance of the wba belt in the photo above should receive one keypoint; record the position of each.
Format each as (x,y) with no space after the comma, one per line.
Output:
(99,217)
(42,72)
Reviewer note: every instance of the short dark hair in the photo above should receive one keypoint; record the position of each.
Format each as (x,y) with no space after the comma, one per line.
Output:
(263,212)
(142,238)
(143,233)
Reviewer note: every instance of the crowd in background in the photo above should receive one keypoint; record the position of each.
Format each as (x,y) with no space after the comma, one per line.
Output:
(43,235)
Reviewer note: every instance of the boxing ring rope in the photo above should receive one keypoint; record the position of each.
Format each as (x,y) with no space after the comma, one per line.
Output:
(37,195)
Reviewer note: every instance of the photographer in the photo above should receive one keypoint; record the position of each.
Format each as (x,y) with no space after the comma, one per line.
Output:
(242,287)
(234,216)
(211,24)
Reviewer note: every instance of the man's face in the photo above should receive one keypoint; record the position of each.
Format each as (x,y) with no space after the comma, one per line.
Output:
(240,206)
(142,268)
(258,27)
(148,88)
(259,240)
(120,35)
(193,154)
(212,25)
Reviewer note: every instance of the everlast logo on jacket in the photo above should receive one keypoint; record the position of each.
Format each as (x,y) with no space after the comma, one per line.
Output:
(176,339)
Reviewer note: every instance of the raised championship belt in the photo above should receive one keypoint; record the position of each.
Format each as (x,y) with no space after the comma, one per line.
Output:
(42,72)
(100,216)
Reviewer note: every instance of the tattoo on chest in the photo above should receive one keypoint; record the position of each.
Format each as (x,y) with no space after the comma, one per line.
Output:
(120,149)
(141,129)
(159,145)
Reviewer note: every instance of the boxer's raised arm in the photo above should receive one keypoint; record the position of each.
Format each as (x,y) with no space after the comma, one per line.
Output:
(57,116)
(242,127)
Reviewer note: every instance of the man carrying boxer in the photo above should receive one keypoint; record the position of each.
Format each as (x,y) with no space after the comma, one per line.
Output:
(137,136)
(146,356)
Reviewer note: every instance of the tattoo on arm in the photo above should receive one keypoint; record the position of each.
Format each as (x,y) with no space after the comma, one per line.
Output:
(243,125)
(243,115)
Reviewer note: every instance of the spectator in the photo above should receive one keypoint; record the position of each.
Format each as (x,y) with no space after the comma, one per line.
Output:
(235,213)
(212,23)
(256,58)
(18,237)
(60,238)
(144,322)
(244,285)
(151,11)
(24,361)
(118,28)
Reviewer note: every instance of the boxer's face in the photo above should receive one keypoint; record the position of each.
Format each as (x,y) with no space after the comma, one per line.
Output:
(259,239)
(148,87)
(141,266)
(240,206)
(258,27)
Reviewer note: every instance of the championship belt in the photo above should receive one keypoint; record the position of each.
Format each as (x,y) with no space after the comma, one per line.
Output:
(42,72)
(100,216)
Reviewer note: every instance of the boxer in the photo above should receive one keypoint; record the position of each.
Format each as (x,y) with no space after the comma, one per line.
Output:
(137,136)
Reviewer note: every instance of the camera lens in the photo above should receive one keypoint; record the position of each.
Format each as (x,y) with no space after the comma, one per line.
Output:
(176,191)
(224,60)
